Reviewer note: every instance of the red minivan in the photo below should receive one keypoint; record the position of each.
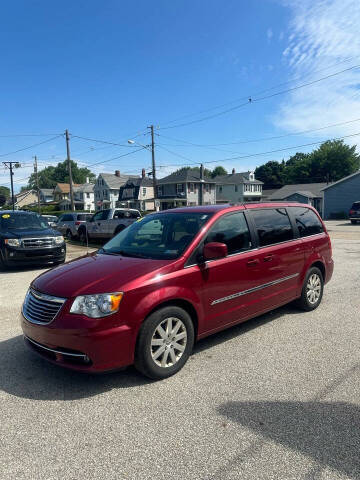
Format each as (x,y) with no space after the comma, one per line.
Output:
(172,278)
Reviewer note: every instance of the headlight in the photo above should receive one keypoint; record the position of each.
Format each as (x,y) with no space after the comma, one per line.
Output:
(59,240)
(97,306)
(12,242)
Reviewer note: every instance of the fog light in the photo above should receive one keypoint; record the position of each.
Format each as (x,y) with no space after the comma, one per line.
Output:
(86,359)
(11,254)
(62,250)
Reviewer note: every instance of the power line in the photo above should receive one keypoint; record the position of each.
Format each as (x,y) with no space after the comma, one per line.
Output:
(30,146)
(108,142)
(266,153)
(115,158)
(263,91)
(261,139)
(254,100)
(30,135)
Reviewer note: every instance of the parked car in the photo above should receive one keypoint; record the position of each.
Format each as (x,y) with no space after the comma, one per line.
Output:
(354,213)
(172,278)
(107,223)
(69,223)
(25,237)
(51,220)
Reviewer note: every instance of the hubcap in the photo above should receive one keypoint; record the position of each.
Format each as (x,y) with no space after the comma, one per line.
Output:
(168,342)
(313,288)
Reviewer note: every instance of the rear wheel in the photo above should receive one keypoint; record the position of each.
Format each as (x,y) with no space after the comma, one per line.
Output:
(82,236)
(312,290)
(119,229)
(164,343)
(69,235)
(353,221)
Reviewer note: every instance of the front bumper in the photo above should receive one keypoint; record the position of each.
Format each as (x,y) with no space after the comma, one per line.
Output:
(17,256)
(83,349)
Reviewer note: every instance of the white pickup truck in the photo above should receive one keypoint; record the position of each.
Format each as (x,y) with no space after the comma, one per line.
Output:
(107,223)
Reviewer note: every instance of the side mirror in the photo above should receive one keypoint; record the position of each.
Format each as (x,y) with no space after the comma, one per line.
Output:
(214,250)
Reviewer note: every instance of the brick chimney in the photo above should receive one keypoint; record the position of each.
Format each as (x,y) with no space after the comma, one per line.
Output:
(117,173)
(233,171)
(143,173)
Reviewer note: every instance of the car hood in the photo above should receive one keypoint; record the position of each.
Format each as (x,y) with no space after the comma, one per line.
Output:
(97,273)
(29,233)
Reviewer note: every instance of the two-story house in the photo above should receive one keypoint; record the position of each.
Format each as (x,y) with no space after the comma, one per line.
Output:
(185,188)
(107,189)
(238,187)
(83,196)
(137,193)
(46,195)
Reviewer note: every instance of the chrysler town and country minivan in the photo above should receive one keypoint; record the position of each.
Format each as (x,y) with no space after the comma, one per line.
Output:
(172,278)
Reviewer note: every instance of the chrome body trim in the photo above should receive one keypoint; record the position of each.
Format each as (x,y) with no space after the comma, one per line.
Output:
(37,242)
(49,298)
(254,289)
(77,355)
(43,309)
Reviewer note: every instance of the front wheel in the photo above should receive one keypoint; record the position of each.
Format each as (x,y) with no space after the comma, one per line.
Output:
(83,236)
(69,235)
(164,343)
(312,290)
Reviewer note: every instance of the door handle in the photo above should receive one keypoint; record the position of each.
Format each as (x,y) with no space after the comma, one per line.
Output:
(268,258)
(253,262)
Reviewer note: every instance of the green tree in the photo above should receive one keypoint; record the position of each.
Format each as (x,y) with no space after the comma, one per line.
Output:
(5,191)
(271,173)
(219,170)
(50,176)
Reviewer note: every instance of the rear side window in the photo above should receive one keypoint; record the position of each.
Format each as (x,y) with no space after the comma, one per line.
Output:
(273,226)
(356,206)
(307,221)
(67,218)
(233,231)
(119,214)
(135,215)
(83,216)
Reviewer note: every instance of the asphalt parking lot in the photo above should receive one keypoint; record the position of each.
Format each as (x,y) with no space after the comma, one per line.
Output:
(277,397)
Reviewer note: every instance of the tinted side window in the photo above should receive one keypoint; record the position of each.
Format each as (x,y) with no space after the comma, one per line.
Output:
(67,218)
(233,231)
(273,226)
(307,221)
(119,214)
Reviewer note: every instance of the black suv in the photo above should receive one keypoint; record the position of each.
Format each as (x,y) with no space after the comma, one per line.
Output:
(25,237)
(354,213)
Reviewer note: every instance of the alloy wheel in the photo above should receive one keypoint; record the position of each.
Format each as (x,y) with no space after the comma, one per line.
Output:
(313,288)
(168,342)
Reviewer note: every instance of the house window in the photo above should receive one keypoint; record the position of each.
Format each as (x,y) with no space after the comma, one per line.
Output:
(88,195)
(220,189)
(179,188)
(236,188)
(144,191)
(160,190)
(207,187)
(191,187)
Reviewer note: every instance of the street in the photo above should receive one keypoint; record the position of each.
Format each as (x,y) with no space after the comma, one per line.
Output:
(277,397)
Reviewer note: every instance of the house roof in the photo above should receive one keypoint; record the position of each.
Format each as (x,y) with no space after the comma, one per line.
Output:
(313,189)
(113,181)
(234,179)
(65,187)
(341,180)
(269,192)
(139,182)
(47,191)
(85,187)
(184,175)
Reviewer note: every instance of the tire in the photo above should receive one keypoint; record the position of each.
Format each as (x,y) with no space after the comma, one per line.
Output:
(3,264)
(314,283)
(119,229)
(69,235)
(353,222)
(82,236)
(151,339)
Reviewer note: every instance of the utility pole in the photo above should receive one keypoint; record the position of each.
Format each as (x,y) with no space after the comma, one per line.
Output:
(153,164)
(37,182)
(201,184)
(10,166)
(69,167)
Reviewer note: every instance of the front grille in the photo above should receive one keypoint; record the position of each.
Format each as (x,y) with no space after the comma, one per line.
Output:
(42,242)
(40,308)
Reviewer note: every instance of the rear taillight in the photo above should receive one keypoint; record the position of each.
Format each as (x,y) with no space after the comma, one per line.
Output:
(77,223)
(352,212)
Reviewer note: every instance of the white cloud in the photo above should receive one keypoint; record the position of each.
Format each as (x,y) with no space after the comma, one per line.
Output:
(269,34)
(281,36)
(324,37)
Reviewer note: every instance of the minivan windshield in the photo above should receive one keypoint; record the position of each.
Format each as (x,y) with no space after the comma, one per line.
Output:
(22,221)
(157,236)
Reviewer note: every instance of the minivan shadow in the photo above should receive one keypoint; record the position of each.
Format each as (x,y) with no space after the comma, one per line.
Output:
(24,374)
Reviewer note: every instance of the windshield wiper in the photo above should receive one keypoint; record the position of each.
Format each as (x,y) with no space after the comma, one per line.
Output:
(122,253)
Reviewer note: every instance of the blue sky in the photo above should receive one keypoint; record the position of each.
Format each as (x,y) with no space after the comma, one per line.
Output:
(108,70)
